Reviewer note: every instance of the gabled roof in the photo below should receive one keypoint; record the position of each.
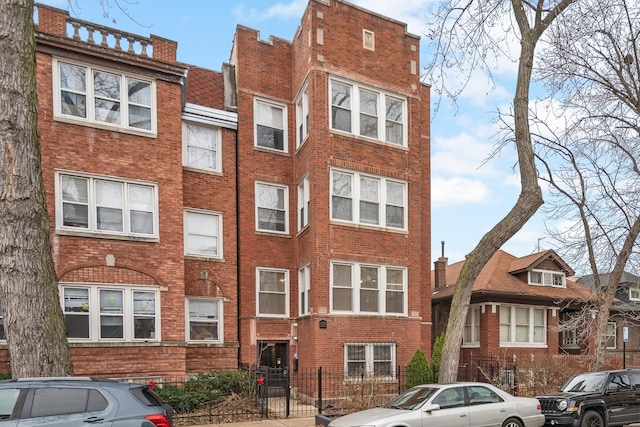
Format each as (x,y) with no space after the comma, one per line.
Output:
(500,277)
(530,262)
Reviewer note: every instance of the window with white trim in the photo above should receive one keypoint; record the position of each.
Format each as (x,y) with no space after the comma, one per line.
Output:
(370,359)
(270,127)
(634,293)
(272,207)
(95,95)
(200,147)
(3,335)
(273,292)
(570,336)
(302,117)
(611,335)
(368,288)
(368,112)
(105,313)
(547,278)
(522,325)
(304,290)
(304,196)
(471,334)
(204,319)
(106,205)
(202,233)
(368,200)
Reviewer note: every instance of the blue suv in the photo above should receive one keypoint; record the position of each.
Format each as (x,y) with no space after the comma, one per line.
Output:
(77,401)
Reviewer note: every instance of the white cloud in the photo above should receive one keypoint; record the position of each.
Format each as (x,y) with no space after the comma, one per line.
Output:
(462,154)
(283,11)
(457,191)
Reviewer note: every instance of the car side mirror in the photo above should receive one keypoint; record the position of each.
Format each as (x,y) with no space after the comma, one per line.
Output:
(432,407)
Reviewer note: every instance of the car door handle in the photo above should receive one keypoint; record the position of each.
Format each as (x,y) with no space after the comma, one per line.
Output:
(92,420)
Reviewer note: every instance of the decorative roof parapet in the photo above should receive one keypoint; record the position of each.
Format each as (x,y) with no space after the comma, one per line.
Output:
(58,22)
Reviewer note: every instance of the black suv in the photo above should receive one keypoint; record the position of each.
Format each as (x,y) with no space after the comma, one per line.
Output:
(595,399)
(77,401)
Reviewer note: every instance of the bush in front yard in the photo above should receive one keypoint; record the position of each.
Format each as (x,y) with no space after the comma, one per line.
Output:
(198,391)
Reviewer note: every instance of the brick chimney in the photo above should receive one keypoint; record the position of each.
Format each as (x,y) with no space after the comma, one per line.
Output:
(440,271)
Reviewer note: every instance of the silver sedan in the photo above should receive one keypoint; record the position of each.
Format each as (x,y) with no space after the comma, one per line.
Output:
(450,405)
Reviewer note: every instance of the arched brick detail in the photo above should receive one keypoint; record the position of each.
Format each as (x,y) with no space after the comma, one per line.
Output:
(104,274)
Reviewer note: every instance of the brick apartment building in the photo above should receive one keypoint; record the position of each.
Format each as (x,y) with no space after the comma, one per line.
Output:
(276,213)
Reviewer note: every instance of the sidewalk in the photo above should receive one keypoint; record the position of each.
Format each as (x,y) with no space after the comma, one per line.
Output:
(284,422)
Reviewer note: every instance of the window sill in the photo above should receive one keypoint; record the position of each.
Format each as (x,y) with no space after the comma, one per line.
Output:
(106,127)
(368,226)
(371,140)
(95,235)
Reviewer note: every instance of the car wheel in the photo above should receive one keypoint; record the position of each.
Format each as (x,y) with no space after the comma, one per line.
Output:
(512,422)
(592,419)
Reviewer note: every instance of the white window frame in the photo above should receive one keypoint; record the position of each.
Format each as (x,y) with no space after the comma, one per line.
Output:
(304,290)
(509,326)
(285,209)
(193,214)
(357,199)
(302,116)
(90,98)
(471,335)
(355,290)
(369,360)
(3,335)
(611,334)
(570,337)
(271,104)
(381,112)
(284,294)
(217,321)
(556,279)
(634,293)
(187,127)
(304,199)
(94,312)
(92,206)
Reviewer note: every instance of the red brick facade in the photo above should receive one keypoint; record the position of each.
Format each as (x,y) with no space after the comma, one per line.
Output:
(329,47)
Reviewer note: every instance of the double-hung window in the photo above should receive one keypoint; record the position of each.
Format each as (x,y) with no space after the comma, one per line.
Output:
(204,319)
(102,313)
(273,292)
(368,289)
(201,147)
(634,293)
(304,195)
(471,335)
(368,200)
(304,290)
(520,325)
(270,125)
(203,234)
(272,207)
(94,95)
(110,206)
(3,335)
(302,117)
(369,359)
(611,335)
(368,112)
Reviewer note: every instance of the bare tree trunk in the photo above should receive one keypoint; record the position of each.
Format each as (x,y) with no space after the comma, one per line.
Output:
(528,202)
(33,320)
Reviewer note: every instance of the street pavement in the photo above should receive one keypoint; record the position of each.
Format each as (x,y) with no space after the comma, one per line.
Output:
(283,422)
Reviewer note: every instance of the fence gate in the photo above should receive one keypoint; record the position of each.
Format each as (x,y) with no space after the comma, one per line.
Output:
(273,391)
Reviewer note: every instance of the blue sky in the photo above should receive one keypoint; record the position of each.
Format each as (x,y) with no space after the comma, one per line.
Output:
(470,193)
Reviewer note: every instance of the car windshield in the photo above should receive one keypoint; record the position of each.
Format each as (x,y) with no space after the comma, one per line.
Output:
(584,383)
(412,398)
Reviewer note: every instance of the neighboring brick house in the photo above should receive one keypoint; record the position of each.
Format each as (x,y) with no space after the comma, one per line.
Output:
(278,210)
(625,313)
(515,308)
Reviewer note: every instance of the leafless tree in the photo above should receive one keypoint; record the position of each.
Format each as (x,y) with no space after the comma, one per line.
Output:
(32,315)
(470,34)
(592,67)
